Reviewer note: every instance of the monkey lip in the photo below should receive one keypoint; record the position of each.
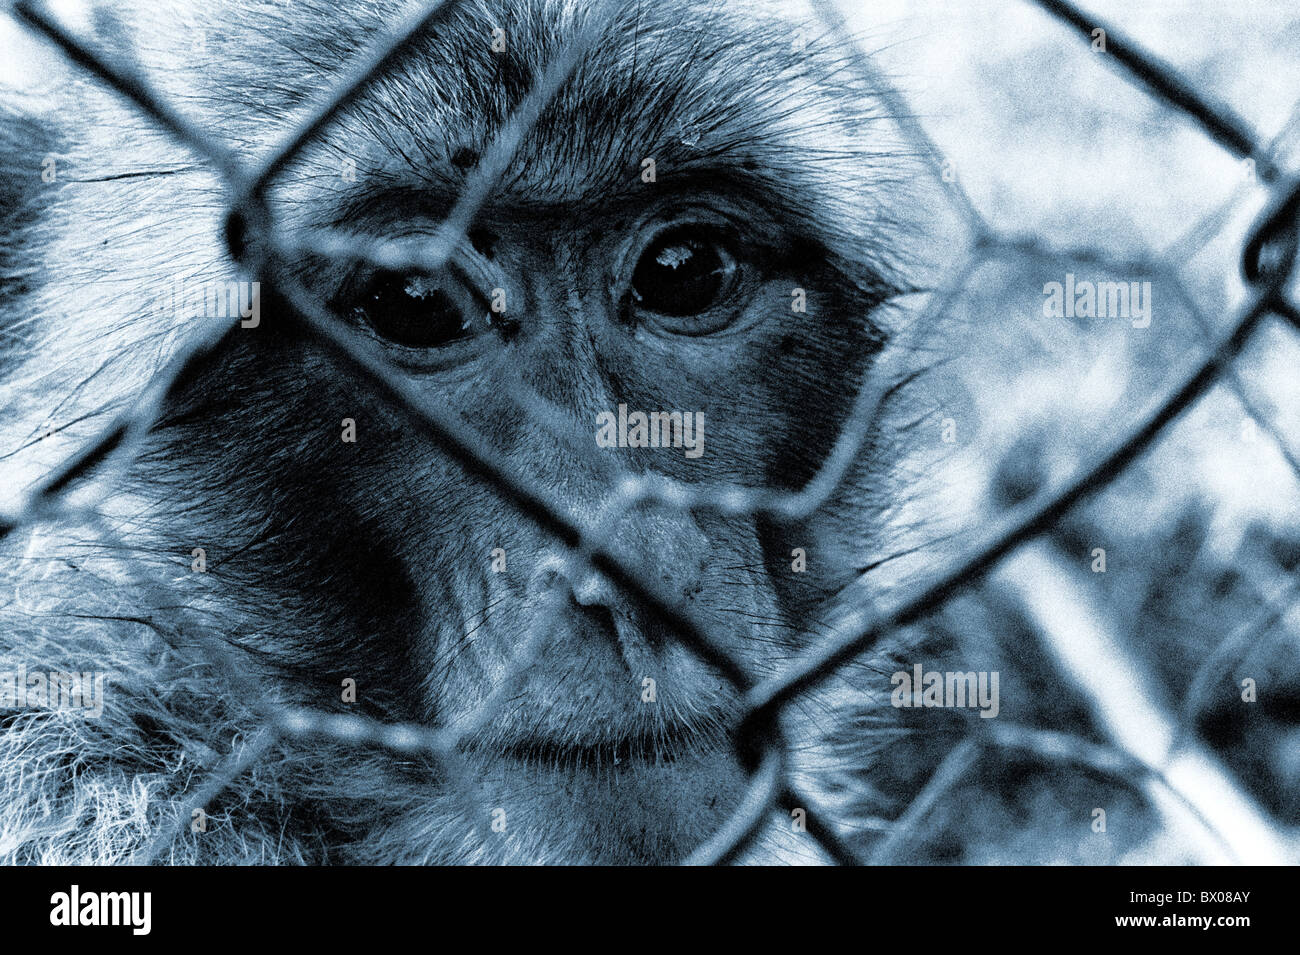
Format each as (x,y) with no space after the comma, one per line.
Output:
(602,731)
(588,710)
(633,751)
(666,744)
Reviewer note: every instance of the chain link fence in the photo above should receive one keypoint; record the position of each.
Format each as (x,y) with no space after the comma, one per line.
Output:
(1146,746)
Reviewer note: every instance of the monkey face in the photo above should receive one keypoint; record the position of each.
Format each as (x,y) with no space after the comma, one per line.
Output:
(663,297)
(676,271)
(436,584)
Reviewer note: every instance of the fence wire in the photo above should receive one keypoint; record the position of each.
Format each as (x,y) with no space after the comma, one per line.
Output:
(1176,767)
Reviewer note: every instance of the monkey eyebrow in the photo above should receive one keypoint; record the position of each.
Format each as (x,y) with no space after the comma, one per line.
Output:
(392,202)
(399,185)
(722,186)
(760,203)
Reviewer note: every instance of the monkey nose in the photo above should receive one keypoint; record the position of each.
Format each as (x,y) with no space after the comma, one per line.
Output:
(557,573)
(667,550)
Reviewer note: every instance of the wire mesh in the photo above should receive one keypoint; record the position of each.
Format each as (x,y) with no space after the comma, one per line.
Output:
(262,247)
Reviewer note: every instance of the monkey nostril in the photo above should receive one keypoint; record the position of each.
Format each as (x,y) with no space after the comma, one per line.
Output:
(464,158)
(483,241)
(584,585)
(593,588)
(587,587)
(549,576)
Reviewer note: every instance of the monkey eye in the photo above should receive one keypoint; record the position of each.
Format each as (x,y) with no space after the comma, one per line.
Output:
(415,310)
(683,276)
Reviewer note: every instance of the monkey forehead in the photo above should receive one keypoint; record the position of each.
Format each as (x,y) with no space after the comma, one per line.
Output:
(762,91)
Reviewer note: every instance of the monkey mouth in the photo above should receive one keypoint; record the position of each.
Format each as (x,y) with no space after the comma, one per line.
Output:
(569,737)
(592,713)
(660,748)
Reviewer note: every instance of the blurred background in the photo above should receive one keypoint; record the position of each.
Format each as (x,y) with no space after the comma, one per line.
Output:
(1142,623)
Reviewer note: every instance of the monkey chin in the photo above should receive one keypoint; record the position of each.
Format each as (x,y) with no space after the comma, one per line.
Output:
(601,777)
(601,808)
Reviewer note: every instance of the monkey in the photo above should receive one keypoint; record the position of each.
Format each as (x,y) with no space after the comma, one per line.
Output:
(702,245)
(673,237)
